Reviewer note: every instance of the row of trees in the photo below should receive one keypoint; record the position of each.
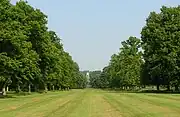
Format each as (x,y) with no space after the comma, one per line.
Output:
(31,56)
(151,60)
(123,70)
(95,80)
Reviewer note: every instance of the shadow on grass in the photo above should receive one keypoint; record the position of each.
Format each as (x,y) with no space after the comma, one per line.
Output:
(142,91)
(159,92)
(14,95)
(6,96)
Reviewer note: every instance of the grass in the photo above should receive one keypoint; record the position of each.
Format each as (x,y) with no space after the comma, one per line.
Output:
(91,103)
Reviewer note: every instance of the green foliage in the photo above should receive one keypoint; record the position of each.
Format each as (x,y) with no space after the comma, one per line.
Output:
(124,68)
(126,65)
(158,64)
(160,39)
(95,82)
(30,55)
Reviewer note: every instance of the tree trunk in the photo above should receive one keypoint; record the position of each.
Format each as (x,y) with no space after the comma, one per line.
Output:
(168,87)
(176,88)
(29,87)
(53,87)
(7,89)
(125,87)
(35,88)
(158,87)
(45,88)
(4,91)
(18,88)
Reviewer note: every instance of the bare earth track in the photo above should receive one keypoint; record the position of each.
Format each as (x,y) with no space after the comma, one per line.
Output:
(91,103)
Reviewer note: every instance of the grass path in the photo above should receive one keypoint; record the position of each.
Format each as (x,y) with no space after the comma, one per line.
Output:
(144,105)
(91,103)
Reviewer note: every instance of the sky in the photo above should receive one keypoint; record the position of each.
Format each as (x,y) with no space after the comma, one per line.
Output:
(92,30)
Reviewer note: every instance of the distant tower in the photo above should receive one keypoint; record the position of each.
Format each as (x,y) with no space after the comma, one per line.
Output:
(87,75)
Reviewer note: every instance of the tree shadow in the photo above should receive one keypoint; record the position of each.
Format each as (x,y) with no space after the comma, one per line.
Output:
(6,96)
(14,95)
(159,91)
(142,91)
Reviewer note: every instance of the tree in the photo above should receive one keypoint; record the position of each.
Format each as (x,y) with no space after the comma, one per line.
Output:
(95,81)
(15,47)
(105,78)
(124,68)
(160,40)
(31,56)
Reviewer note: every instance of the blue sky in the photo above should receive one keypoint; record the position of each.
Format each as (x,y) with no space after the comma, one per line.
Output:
(92,30)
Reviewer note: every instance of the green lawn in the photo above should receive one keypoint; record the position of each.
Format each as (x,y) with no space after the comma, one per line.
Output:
(91,103)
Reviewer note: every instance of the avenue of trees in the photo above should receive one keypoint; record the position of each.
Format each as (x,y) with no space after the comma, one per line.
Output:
(152,60)
(32,57)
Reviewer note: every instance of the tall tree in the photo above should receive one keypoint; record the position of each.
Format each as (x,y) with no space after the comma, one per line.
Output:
(125,67)
(160,39)
(31,56)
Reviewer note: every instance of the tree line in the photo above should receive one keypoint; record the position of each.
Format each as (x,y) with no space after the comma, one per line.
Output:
(153,59)
(31,56)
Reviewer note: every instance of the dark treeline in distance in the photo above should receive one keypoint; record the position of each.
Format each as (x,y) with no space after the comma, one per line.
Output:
(152,60)
(32,57)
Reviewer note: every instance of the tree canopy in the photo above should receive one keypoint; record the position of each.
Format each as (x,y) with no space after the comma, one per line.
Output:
(31,56)
(151,60)
(124,68)
(161,45)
